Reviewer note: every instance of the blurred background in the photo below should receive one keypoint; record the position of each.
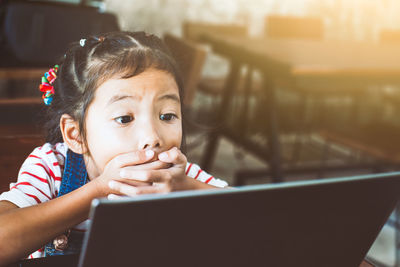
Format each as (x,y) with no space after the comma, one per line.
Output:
(275,90)
(352,19)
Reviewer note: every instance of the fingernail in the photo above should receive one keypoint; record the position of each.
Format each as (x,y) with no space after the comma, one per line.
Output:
(111,184)
(163,156)
(149,153)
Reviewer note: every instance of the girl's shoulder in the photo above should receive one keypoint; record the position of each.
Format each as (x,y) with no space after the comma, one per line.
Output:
(48,148)
(39,177)
(53,153)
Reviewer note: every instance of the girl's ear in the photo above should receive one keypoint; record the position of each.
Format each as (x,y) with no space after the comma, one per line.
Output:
(70,132)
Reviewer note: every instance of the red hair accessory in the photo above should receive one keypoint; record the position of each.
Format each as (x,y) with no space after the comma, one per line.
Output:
(47,85)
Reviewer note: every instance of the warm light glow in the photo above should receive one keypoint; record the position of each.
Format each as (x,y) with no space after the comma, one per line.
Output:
(343,19)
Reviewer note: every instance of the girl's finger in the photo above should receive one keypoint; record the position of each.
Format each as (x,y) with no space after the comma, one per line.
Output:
(122,188)
(161,188)
(150,176)
(174,155)
(133,182)
(133,158)
(154,165)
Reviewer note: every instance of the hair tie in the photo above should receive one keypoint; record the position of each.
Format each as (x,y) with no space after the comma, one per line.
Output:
(82,42)
(47,85)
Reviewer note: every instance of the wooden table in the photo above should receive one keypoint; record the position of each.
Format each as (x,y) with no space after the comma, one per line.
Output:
(299,65)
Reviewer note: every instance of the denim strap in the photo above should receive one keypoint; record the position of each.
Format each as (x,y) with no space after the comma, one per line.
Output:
(75,174)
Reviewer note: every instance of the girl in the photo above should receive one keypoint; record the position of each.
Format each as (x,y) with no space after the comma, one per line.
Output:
(114,126)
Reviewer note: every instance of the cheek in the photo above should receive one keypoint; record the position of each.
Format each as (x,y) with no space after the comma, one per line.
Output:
(104,143)
(173,136)
(179,135)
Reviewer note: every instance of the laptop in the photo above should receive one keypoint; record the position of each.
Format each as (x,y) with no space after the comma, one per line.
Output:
(330,222)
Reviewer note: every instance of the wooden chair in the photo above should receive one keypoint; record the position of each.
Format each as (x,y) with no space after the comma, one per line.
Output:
(14,149)
(190,58)
(211,86)
(294,27)
(194,31)
(302,28)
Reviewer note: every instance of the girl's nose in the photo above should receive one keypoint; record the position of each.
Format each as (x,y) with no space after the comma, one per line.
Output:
(150,143)
(149,137)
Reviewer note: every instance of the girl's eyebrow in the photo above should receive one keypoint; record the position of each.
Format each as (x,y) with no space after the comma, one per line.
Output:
(117,98)
(173,97)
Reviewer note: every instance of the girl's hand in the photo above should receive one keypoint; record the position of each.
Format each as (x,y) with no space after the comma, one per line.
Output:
(138,160)
(165,180)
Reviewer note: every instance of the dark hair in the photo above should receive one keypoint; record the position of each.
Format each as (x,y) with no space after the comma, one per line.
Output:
(89,63)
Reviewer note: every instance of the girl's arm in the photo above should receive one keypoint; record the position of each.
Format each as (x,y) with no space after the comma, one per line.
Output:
(24,230)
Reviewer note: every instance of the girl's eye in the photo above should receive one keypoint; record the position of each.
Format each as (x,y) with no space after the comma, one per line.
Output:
(167,117)
(124,119)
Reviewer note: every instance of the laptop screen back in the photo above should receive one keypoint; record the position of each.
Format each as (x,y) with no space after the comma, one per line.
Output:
(330,222)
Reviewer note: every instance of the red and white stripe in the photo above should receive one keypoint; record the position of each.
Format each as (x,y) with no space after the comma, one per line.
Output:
(39,178)
(195,172)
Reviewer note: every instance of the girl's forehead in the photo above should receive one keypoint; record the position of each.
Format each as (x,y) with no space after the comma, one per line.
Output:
(149,76)
(150,82)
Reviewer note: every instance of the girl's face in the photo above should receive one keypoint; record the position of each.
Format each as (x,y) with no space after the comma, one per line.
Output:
(139,113)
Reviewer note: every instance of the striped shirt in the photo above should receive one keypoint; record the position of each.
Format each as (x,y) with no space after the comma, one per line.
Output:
(39,180)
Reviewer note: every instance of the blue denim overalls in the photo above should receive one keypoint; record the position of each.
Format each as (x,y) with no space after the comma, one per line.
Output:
(74,176)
